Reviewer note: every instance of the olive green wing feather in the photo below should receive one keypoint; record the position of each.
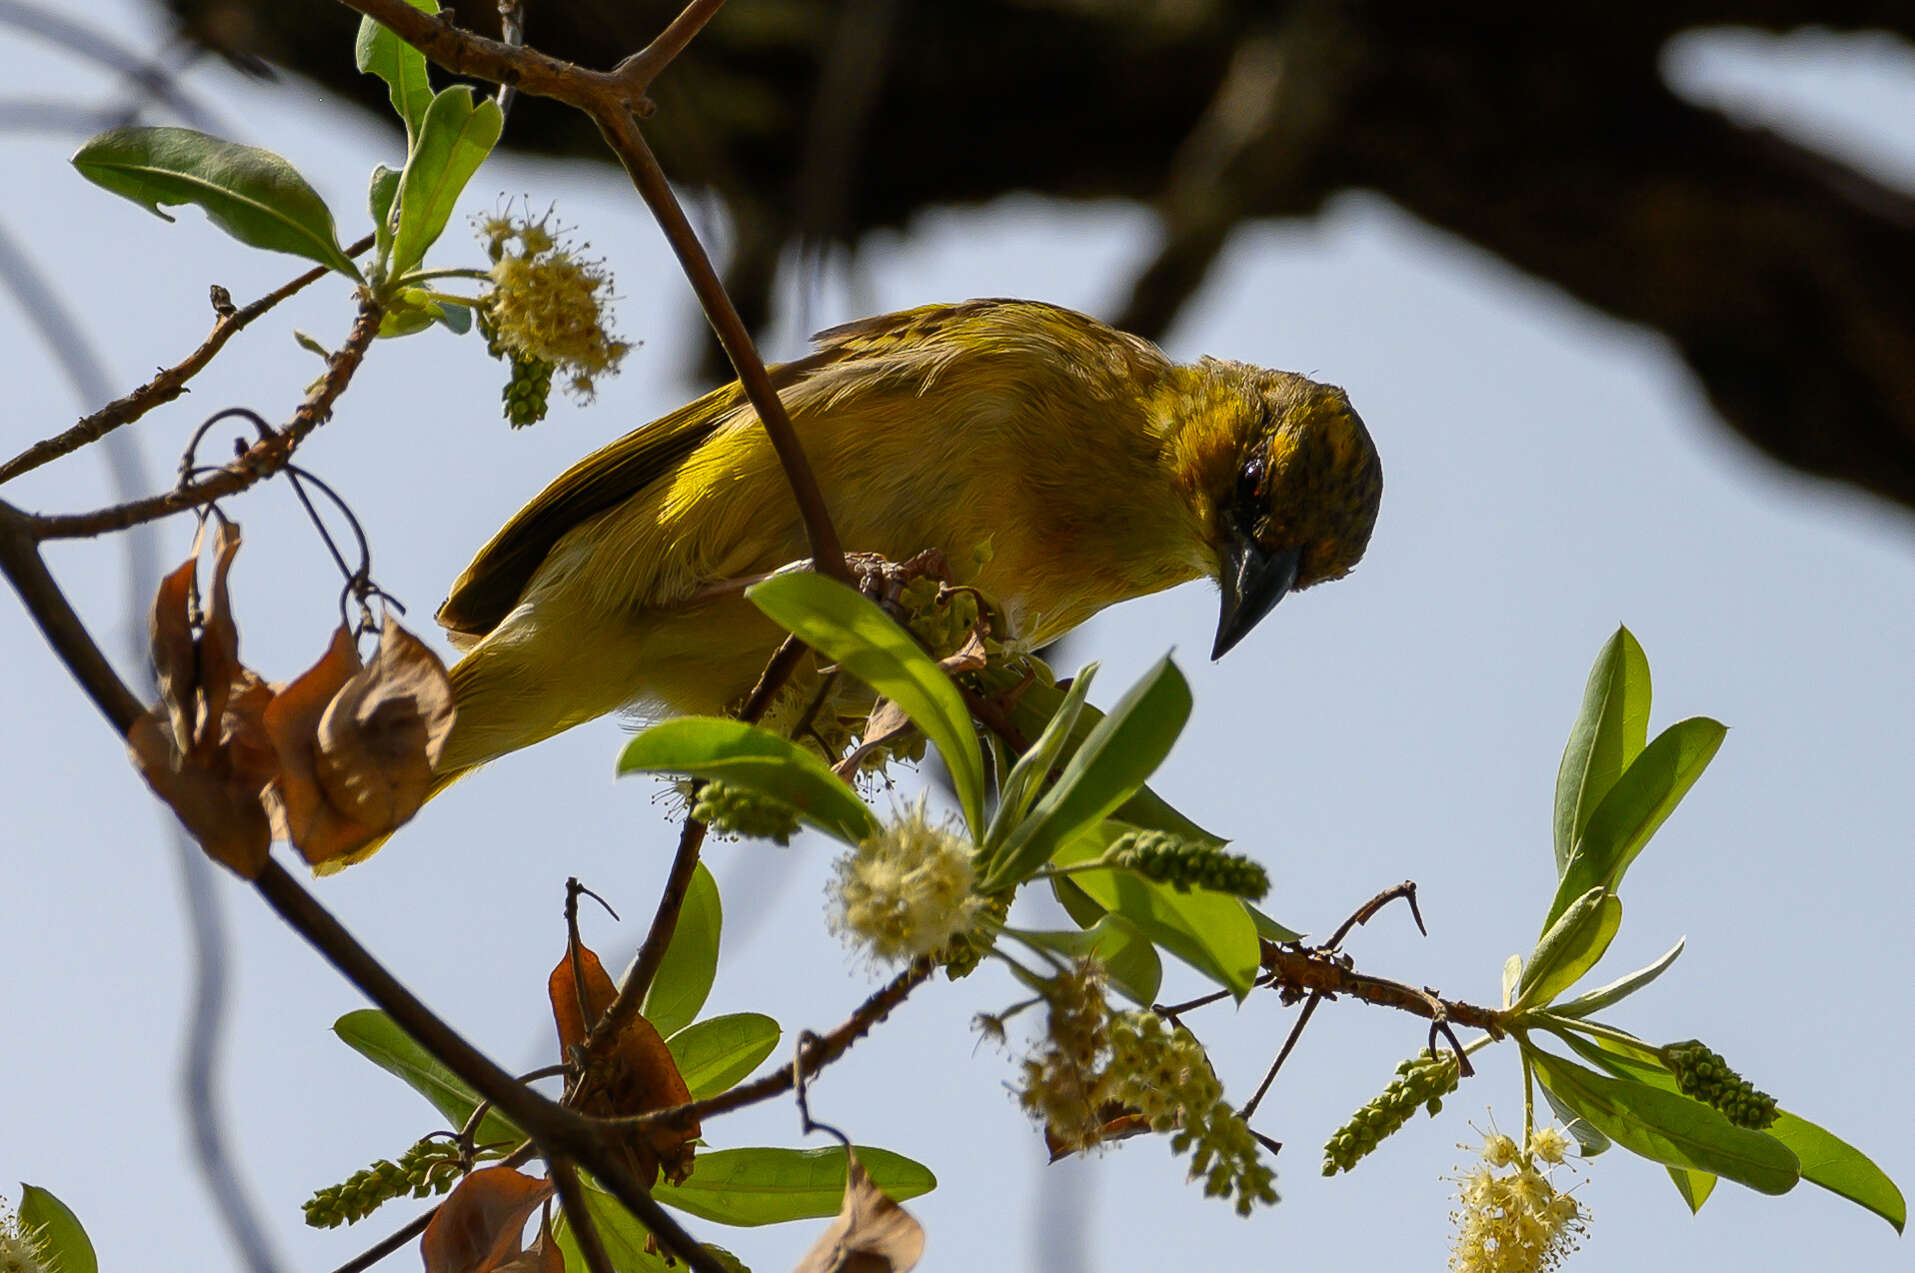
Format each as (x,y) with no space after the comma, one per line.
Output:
(487,590)
(491,586)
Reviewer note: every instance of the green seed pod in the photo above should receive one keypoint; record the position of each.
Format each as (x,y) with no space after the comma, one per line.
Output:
(1420,1081)
(1169,859)
(527,394)
(1703,1074)
(732,810)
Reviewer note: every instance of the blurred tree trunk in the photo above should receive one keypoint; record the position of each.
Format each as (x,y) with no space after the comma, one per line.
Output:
(1544,134)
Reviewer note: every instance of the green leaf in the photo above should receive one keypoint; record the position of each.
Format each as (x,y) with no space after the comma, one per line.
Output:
(1079,905)
(456,319)
(624,1237)
(407,320)
(1267,928)
(1035,700)
(378,1038)
(1129,959)
(1667,1127)
(1212,932)
(1570,948)
(1027,778)
(715,747)
(1589,1141)
(1617,990)
(716,1054)
(1512,975)
(1840,1168)
(1694,1186)
(849,629)
(1642,798)
(691,959)
(771,1186)
(381,191)
(1826,1159)
(252,194)
(1122,751)
(1608,734)
(67,1249)
(454,138)
(379,52)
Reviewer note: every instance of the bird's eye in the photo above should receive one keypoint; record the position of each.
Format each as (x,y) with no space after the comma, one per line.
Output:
(1249,502)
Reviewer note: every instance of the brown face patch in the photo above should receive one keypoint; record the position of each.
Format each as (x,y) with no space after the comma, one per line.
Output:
(1323,482)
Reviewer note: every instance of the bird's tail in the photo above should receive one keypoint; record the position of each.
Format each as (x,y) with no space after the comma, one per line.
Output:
(440,781)
(510,694)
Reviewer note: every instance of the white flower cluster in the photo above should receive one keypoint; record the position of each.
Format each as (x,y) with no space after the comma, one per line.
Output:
(906,891)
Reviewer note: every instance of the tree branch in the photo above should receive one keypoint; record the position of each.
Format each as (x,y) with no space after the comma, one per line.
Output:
(262,459)
(821,1051)
(169,384)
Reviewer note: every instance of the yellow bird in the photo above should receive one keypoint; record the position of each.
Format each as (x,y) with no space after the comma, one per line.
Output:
(1096,468)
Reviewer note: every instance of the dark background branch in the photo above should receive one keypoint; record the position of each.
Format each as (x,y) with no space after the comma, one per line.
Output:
(1544,135)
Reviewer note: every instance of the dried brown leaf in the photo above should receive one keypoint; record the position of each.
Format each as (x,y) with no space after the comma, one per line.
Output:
(222,810)
(480,1227)
(565,993)
(872,1234)
(175,658)
(301,812)
(634,1075)
(969,657)
(383,731)
(886,724)
(243,739)
(543,1256)
(219,663)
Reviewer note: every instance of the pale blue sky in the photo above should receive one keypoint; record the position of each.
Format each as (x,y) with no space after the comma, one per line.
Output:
(1549,473)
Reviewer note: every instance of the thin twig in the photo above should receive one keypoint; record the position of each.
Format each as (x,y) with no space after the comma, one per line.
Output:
(1283,1054)
(262,460)
(391,1243)
(622,134)
(1308,971)
(1367,912)
(584,1227)
(167,385)
(823,1050)
(644,66)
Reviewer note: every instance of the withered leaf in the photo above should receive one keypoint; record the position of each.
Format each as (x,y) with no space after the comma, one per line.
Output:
(969,657)
(222,809)
(218,645)
(634,1075)
(872,1234)
(480,1227)
(203,750)
(384,730)
(1116,1121)
(886,724)
(175,659)
(243,739)
(543,1256)
(301,812)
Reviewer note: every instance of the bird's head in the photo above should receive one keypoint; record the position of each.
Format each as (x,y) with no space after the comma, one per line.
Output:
(1285,480)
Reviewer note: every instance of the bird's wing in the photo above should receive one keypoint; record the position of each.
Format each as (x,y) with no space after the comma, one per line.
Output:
(491,586)
(486,590)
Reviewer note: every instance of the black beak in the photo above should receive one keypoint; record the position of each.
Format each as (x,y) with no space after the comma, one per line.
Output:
(1253,582)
